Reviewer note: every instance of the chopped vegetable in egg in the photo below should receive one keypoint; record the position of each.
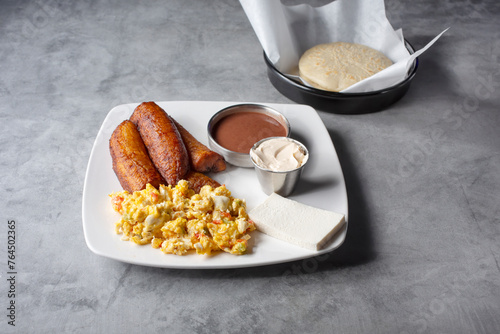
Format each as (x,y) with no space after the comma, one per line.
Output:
(176,220)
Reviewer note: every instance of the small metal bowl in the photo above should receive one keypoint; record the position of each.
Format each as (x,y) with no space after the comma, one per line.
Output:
(341,103)
(280,182)
(237,158)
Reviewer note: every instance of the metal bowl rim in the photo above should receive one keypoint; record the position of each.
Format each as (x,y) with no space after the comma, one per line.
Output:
(232,156)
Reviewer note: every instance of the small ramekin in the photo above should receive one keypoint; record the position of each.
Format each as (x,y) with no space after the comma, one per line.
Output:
(280,182)
(237,158)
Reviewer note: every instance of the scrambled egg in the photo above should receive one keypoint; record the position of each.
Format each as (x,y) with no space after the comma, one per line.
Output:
(177,220)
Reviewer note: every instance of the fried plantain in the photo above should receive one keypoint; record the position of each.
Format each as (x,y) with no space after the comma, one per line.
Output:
(202,159)
(131,162)
(162,140)
(197,180)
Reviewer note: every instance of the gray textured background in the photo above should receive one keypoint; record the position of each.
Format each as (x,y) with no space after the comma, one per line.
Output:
(423,176)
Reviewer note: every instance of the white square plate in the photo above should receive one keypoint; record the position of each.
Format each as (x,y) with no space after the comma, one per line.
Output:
(322,185)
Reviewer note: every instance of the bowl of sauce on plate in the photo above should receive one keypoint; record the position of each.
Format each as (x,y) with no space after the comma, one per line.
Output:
(234,130)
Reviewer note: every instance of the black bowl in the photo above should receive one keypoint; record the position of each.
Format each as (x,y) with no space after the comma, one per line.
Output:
(341,103)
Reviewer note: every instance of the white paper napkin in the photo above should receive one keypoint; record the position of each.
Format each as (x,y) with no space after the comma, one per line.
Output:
(286,32)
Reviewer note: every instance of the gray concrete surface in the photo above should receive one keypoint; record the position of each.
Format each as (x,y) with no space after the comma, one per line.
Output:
(423,177)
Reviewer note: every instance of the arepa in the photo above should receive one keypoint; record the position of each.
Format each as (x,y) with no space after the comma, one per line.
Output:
(336,66)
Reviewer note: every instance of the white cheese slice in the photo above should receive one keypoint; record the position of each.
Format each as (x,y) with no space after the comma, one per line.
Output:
(296,223)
